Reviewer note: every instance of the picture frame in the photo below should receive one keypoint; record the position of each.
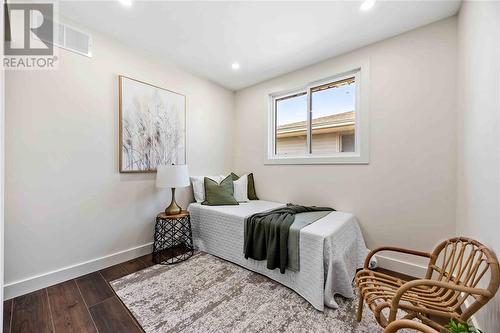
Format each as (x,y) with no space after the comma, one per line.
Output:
(152,126)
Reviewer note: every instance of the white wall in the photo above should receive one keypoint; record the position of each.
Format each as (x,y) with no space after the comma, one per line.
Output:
(478,172)
(66,202)
(406,195)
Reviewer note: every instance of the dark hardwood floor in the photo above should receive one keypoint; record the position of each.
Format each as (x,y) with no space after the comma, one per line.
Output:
(85,304)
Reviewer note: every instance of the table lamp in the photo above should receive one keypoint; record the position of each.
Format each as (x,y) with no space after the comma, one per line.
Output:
(172,176)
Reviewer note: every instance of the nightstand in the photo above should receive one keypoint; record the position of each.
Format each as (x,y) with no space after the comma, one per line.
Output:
(173,240)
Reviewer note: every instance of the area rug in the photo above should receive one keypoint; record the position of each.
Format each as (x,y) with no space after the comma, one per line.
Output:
(208,294)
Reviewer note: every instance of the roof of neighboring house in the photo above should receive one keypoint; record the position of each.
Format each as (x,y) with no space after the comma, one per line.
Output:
(336,120)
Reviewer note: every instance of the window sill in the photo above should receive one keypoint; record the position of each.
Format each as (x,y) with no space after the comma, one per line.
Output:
(304,160)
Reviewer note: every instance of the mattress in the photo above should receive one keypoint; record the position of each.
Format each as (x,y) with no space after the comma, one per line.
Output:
(331,249)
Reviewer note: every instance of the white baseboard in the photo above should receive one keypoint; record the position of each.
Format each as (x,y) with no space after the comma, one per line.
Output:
(401,266)
(472,319)
(474,323)
(24,286)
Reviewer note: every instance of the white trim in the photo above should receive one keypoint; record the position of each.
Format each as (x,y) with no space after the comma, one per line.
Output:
(361,70)
(472,319)
(401,266)
(24,286)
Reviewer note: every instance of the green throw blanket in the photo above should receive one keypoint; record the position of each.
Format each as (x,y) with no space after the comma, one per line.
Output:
(266,234)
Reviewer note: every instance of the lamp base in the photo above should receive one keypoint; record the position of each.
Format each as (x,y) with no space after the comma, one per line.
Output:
(173,208)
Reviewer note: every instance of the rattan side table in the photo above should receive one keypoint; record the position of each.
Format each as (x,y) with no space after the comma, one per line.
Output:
(173,240)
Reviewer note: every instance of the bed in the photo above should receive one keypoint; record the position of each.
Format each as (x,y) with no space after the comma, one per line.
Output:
(331,249)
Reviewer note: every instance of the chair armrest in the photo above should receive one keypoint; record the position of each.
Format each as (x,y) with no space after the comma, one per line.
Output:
(406,323)
(394,249)
(432,283)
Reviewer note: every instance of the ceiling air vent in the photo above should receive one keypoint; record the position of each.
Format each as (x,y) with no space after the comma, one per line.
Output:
(76,41)
(69,38)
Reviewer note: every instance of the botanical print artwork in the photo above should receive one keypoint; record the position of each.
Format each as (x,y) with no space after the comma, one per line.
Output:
(152,126)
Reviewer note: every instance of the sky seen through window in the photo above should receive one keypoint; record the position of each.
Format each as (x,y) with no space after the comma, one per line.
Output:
(324,103)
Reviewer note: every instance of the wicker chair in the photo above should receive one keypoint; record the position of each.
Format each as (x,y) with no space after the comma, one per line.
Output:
(406,323)
(449,290)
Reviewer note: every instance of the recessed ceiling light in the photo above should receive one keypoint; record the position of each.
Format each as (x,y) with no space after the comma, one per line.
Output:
(367,5)
(235,66)
(126,3)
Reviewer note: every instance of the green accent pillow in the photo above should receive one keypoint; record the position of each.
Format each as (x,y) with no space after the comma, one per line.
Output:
(251,186)
(219,194)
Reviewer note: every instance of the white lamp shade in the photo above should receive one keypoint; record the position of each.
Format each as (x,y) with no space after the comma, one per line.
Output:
(172,176)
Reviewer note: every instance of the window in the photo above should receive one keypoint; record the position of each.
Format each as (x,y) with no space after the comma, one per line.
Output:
(333,113)
(291,124)
(323,122)
(347,143)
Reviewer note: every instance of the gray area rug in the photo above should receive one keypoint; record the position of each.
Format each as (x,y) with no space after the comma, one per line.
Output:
(208,294)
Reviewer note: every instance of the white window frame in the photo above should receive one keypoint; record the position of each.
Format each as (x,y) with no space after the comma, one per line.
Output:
(362,135)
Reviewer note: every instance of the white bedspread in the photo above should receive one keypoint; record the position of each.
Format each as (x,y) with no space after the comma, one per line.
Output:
(331,249)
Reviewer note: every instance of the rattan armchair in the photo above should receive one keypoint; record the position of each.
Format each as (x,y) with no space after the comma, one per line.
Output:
(450,289)
(406,323)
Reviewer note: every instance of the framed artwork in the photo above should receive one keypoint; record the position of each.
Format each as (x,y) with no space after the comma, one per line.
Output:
(152,126)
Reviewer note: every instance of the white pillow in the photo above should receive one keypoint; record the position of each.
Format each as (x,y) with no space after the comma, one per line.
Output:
(241,188)
(199,186)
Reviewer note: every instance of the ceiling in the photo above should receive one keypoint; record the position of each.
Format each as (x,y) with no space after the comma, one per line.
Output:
(267,39)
